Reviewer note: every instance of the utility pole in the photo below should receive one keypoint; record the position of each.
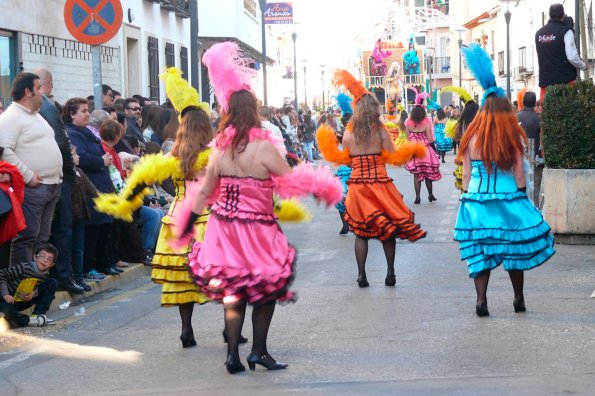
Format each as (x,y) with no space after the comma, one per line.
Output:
(194,62)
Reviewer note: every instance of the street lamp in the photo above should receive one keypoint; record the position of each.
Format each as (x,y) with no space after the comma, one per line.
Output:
(323,66)
(263,4)
(460,31)
(305,91)
(429,58)
(507,16)
(294,38)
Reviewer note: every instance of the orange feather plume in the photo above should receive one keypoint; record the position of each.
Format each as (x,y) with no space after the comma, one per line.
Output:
(519,98)
(355,88)
(329,146)
(404,153)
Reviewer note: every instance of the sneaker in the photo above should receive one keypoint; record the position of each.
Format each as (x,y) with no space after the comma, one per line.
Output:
(94,275)
(84,285)
(122,264)
(40,320)
(149,253)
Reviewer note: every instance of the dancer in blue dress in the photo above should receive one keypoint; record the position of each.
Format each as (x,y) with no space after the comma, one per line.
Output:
(496,223)
(443,142)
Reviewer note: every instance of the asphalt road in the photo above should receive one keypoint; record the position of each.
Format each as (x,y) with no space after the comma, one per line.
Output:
(420,338)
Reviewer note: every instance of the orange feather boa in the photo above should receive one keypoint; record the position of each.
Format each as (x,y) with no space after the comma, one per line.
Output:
(329,147)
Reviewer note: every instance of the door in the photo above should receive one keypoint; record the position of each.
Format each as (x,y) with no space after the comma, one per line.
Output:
(7,65)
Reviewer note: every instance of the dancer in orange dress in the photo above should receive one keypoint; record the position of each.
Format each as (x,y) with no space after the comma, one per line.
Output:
(374,207)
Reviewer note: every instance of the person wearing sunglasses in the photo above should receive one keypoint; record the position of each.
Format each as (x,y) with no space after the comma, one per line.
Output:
(132,111)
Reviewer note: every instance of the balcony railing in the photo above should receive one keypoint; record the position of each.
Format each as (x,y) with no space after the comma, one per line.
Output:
(440,65)
(408,79)
(180,7)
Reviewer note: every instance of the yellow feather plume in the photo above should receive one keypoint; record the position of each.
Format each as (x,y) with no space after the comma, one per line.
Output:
(450,129)
(390,125)
(329,146)
(406,151)
(291,210)
(150,170)
(180,93)
(462,92)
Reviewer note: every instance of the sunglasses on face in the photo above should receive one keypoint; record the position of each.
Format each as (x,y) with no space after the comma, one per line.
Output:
(133,108)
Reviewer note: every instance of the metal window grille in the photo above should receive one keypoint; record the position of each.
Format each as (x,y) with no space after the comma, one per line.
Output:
(153,47)
(170,56)
(501,63)
(184,62)
(523,59)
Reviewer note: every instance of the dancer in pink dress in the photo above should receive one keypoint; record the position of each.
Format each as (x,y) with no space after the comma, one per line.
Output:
(420,130)
(245,258)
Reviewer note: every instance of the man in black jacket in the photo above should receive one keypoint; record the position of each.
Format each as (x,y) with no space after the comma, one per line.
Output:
(62,223)
(530,122)
(556,51)
(132,111)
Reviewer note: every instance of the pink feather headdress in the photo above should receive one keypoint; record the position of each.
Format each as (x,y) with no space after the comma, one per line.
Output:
(228,71)
(419,97)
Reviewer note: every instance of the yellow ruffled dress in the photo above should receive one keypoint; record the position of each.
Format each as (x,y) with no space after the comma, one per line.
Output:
(170,268)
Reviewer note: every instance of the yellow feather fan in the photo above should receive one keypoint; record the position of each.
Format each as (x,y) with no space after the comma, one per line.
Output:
(450,130)
(150,170)
(390,125)
(329,146)
(462,92)
(180,93)
(406,151)
(291,210)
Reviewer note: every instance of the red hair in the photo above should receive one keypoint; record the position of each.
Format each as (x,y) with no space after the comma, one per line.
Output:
(498,136)
(243,116)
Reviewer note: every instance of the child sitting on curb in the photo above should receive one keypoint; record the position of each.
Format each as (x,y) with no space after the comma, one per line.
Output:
(40,295)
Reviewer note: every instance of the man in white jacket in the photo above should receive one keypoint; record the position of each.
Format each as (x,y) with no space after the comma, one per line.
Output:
(29,144)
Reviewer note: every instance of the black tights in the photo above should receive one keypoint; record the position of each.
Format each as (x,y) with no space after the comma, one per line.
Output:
(481,285)
(361,254)
(417,186)
(186,316)
(261,321)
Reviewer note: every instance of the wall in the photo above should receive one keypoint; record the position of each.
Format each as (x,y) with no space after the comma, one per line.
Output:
(150,20)
(45,42)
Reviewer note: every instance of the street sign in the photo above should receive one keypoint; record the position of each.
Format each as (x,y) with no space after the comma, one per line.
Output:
(278,13)
(93,22)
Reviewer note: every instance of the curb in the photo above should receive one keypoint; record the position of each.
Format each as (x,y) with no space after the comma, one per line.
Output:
(130,274)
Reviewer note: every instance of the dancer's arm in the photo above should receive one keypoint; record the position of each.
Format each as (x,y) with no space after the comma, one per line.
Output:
(466,170)
(519,172)
(209,184)
(387,143)
(272,160)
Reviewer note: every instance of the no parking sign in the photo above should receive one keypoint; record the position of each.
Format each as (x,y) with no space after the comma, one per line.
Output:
(93,22)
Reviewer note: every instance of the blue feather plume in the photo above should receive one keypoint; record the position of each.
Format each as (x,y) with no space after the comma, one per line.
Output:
(480,64)
(433,105)
(344,102)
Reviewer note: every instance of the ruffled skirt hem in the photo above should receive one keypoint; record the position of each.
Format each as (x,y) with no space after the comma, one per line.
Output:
(231,284)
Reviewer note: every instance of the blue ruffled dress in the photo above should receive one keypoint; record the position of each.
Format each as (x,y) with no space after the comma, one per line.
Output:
(497,224)
(343,172)
(443,143)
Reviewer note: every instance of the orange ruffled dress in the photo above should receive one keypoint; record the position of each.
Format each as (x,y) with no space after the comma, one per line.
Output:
(374,206)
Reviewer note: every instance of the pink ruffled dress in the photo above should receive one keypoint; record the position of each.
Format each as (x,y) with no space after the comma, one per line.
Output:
(244,255)
(427,167)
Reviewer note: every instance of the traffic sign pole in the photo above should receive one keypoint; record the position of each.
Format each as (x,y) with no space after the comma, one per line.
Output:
(96,62)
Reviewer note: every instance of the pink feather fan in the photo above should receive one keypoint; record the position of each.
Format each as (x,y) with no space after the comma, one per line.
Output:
(305,179)
(228,71)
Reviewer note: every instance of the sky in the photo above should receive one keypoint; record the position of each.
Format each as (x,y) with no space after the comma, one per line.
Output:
(326,29)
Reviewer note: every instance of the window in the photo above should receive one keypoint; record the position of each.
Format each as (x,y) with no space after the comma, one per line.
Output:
(250,6)
(501,63)
(7,66)
(184,62)
(153,47)
(170,56)
(523,59)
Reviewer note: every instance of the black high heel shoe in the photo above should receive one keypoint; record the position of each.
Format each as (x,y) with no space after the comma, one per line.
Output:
(417,201)
(390,280)
(234,365)
(519,305)
(187,339)
(265,361)
(481,310)
(432,198)
(242,339)
(362,281)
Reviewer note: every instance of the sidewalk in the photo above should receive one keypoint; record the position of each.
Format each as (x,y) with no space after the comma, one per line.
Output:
(130,274)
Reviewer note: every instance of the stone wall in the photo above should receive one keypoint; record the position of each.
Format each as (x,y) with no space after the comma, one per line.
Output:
(70,64)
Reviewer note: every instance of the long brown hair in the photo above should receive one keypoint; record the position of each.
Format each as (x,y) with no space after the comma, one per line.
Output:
(193,136)
(243,116)
(366,119)
(498,135)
